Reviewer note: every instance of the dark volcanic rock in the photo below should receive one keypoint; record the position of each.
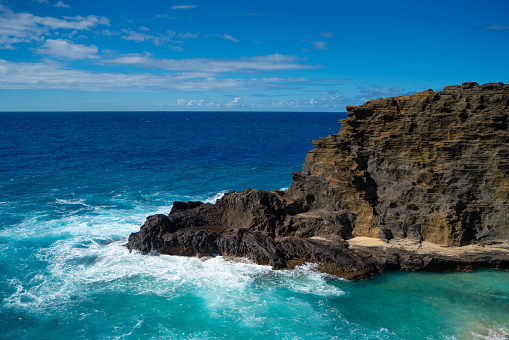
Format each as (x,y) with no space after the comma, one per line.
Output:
(429,167)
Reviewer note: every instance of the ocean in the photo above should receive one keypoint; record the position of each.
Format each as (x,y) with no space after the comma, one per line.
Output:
(74,185)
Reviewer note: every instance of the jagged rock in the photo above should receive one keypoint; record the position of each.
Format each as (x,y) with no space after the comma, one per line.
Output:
(429,167)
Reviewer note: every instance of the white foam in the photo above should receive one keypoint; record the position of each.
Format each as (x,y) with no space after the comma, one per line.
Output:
(79,263)
(306,279)
(79,201)
(99,221)
(484,333)
(214,198)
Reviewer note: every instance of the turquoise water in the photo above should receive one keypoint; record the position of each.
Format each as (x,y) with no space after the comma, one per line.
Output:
(73,186)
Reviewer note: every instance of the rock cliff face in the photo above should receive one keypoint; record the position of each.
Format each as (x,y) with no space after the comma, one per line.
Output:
(429,167)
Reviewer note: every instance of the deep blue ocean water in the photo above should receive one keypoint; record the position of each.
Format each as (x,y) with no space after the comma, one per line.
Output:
(73,186)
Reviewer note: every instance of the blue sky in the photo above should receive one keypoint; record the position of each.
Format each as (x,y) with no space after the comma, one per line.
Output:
(242,55)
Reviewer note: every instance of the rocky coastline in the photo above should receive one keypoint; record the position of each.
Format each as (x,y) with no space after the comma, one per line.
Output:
(416,182)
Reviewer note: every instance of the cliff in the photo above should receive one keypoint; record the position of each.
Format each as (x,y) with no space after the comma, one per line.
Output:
(430,166)
(425,169)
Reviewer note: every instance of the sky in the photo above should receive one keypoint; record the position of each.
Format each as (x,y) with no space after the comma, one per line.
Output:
(239,55)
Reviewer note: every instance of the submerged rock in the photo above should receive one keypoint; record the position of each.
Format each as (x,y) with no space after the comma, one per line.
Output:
(432,167)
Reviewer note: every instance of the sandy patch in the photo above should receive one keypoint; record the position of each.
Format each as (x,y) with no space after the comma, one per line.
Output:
(430,248)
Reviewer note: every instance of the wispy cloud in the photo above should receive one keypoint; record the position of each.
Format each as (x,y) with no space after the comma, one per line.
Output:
(65,49)
(109,33)
(327,103)
(172,39)
(273,62)
(26,28)
(158,39)
(212,104)
(165,16)
(338,79)
(374,92)
(62,5)
(229,37)
(241,102)
(223,36)
(53,75)
(133,35)
(319,45)
(496,27)
(182,35)
(382,90)
(183,7)
(329,35)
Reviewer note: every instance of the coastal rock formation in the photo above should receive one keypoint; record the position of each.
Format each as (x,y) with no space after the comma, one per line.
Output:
(432,167)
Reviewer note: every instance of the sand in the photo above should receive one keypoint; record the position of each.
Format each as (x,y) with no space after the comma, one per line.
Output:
(430,248)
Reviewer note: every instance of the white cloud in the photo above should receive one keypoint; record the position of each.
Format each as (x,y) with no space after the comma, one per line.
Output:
(176,48)
(109,33)
(377,92)
(274,62)
(182,35)
(165,16)
(65,49)
(309,104)
(382,91)
(234,103)
(319,45)
(62,5)
(333,102)
(223,36)
(158,39)
(26,28)
(194,102)
(229,37)
(53,75)
(138,37)
(172,38)
(329,35)
(183,7)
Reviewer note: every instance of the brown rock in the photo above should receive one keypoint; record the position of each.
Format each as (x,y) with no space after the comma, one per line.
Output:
(430,166)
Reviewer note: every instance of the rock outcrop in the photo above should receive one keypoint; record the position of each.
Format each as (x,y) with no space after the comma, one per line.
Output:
(432,167)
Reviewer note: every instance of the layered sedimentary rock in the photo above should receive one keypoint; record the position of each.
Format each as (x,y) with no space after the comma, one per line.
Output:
(429,167)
